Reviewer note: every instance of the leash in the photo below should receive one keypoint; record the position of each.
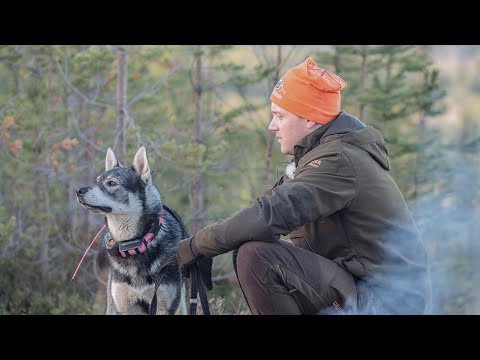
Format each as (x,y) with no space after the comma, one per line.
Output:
(131,247)
(197,285)
(85,253)
(158,279)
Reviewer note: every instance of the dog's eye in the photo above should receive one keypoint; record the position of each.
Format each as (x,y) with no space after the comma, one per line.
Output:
(111,183)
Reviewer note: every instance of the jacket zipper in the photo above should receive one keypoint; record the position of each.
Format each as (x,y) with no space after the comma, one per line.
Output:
(306,240)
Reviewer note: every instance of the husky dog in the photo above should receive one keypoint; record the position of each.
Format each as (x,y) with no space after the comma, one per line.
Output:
(142,237)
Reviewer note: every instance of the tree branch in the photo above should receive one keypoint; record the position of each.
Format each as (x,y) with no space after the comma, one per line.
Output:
(77,91)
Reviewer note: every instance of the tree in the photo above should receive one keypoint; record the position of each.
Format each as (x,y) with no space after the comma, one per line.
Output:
(121,100)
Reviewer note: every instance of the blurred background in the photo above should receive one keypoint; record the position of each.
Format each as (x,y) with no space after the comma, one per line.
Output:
(202,112)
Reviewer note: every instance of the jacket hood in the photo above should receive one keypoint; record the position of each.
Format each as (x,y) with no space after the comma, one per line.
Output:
(352,131)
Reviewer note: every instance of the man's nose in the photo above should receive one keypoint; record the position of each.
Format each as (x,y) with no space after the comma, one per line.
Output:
(272,126)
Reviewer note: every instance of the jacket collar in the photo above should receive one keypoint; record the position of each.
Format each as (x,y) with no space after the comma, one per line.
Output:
(343,124)
(310,141)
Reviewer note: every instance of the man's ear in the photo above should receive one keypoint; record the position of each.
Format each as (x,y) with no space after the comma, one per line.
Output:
(311,124)
(140,164)
(111,160)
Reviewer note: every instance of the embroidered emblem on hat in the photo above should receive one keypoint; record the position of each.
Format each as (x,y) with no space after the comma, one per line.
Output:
(278,90)
(315,163)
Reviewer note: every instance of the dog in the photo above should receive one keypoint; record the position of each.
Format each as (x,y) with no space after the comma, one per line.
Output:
(142,238)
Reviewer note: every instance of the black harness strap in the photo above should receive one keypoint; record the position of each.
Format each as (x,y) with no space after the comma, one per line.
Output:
(153,304)
(197,285)
(193,290)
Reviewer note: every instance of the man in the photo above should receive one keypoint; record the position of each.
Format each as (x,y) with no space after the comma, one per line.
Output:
(356,247)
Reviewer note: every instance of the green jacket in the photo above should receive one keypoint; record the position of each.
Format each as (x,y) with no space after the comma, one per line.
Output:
(341,204)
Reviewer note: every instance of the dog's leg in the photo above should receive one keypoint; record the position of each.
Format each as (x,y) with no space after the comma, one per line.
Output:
(162,308)
(168,296)
(177,299)
(110,305)
(182,309)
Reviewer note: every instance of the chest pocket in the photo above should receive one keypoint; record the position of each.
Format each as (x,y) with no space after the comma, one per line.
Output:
(353,265)
(325,236)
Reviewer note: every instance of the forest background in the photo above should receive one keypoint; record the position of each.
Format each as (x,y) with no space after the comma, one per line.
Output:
(203,112)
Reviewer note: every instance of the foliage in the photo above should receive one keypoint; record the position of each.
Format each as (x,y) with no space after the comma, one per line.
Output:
(58,116)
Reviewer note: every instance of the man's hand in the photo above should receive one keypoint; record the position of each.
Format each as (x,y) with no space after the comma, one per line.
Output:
(188,254)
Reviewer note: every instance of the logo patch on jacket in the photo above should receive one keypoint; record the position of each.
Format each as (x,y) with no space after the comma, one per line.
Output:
(290,170)
(314,163)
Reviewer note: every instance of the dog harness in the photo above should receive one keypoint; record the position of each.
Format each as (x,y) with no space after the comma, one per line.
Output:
(134,246)
(139,246)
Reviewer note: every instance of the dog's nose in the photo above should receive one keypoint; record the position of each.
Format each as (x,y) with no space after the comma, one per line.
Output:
(82,190)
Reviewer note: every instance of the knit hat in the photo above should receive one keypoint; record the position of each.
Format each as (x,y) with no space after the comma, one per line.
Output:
(310,92)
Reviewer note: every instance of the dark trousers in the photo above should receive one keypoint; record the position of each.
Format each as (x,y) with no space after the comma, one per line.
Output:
(281,278)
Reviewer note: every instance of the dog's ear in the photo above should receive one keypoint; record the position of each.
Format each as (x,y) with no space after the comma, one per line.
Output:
(140,164)
(111,160)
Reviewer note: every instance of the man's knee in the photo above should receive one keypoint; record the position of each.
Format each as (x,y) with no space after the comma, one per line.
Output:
(248,250)
(254,251)
(250,258)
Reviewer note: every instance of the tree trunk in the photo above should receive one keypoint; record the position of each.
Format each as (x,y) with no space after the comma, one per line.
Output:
(271,137)
(121,102)
(363,80)
(197,183)
(44,248)
(387,84)
(84,158)
(419,170)
(336,60)
(37,152)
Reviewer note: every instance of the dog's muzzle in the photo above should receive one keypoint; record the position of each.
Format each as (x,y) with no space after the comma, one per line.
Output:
(83,190)
(80,192)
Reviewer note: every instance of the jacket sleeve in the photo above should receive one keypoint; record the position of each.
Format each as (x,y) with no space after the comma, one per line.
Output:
(315,192)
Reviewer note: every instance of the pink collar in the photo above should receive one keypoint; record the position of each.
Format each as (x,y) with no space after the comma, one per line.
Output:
(126,248)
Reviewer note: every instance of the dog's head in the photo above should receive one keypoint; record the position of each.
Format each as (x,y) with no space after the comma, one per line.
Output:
(120,190)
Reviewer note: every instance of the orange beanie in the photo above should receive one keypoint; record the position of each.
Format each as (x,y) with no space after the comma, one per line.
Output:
(310,92)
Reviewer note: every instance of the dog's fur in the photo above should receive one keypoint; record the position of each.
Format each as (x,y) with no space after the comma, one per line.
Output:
(130,203)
